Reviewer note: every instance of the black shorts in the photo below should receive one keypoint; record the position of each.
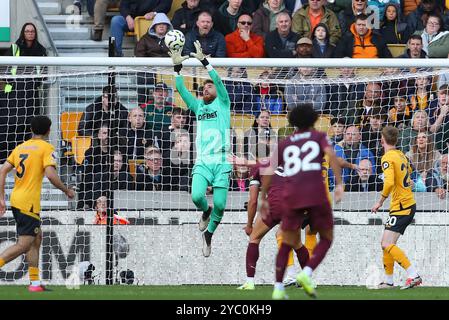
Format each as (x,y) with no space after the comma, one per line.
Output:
(398,223)
(26,225)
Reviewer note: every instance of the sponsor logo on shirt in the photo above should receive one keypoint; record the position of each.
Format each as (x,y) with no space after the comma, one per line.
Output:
(207,116)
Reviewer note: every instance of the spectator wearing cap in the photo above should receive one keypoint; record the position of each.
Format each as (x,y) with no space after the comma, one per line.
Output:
(226,17)
(152,44)
(281,43)
(306,19)
(158,111)
(414,48)
(362,42)
(242,43)
(266,17)
(212,41)
(304,48)
(322,47)
(184,18)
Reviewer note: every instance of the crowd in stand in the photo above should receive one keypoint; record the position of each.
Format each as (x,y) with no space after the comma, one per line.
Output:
(150,147)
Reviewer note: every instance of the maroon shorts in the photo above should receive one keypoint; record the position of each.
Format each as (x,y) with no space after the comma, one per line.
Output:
(320,217)
(274,217)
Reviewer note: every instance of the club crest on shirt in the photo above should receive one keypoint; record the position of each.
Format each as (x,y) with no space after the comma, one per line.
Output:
(385,165)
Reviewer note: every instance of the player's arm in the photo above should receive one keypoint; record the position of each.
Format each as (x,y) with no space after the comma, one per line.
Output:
(388,170)
(52,175)
(334,163)
(7,167)
(222,93)
(345,164)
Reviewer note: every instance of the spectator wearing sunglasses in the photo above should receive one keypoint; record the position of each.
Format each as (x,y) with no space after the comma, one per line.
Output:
(242,43)
(347,16)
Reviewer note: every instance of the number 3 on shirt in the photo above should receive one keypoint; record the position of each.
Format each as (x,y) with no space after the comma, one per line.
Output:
(294,163)
(22,165)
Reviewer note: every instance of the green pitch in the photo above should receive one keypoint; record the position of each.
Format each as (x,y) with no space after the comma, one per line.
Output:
(225,292)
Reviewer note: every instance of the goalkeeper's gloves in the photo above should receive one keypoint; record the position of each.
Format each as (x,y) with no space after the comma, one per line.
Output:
(199,54)
(177,59)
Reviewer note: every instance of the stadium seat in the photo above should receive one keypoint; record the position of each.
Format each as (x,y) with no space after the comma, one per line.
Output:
(80,144)
(141,26)
(323,123)
(176,4)
(396,49)
(241,121)
(132,164)
(69,124)
(278,121)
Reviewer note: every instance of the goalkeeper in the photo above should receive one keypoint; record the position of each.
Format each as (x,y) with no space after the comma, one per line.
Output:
(212,144)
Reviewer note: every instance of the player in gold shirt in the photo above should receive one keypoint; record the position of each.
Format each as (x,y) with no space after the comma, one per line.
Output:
(397,170)
(31,160)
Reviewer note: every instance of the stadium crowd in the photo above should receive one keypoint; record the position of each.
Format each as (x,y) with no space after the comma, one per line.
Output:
(150,147)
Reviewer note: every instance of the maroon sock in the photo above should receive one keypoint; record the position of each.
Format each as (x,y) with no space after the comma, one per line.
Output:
(252,255)
(281,261)
(319,253)
(303,256)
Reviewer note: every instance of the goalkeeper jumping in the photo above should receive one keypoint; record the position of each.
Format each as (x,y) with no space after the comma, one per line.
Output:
(212,144)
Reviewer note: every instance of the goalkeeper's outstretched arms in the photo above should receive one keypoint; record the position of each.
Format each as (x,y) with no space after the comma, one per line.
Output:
(222,93)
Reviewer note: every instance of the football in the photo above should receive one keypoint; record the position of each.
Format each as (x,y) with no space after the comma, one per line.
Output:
(175,40)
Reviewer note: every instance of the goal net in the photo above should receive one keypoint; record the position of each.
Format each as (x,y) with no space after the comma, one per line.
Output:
(126,142)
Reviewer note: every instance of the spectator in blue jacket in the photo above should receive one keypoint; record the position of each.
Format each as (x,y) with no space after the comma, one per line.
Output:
(129,9)
(212,42)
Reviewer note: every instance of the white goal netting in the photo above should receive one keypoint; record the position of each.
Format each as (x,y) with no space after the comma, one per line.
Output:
(126,141)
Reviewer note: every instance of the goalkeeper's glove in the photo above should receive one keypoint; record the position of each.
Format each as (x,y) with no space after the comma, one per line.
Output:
(177,59)
(199,54)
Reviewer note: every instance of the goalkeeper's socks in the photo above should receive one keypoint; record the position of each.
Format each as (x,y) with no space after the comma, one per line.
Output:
(2,262)
(33,273)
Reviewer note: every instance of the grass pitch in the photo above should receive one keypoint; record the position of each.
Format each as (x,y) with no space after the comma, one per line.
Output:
(223,292)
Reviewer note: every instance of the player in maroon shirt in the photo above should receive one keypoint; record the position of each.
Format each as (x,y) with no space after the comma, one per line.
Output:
(264,223)
(304,193)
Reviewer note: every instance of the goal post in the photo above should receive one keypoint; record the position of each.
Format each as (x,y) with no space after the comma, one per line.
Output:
(145,174)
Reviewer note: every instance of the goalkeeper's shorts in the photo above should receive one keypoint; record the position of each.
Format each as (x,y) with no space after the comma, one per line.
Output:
(217,175)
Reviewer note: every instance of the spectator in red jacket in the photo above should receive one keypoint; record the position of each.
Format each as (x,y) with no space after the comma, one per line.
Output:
(242,43)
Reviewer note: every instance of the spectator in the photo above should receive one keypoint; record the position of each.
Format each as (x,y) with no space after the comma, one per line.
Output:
(149,174)
(101,216)
(414,48)
(240,179)
(177,125)
(443,78)
(281,43)
(152,44)
(105,110)
(379,7)
(184,18)
(226,17)
(240,92)
(100,9)
(96,163)
(307,18)
(425,160)
(419,123)
(416,20)
(441,124)
(390,86)
(433,26)
(322,48)
(265,18)
(365,180)
(158,110)
(344,94)
(444,171)
(260,138)
(409,6)
(178,163)
(393,29)
(362,110)
(130,9)
(400,114)
(242,43)
(304,48)
(303,89)
(116,179)
(362,42)
(353,150)
(338,126)
(421,95)
(371,135)
(137,135)
(266,96)
(346,17)
(212,42)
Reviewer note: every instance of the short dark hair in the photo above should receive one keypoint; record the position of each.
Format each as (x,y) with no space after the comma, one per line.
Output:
(109,89)
(339,120)
(444,87)
(177,110)
(40,125)
(207,81)
(415,37)
(303,116)
(390,135)
(361,16)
